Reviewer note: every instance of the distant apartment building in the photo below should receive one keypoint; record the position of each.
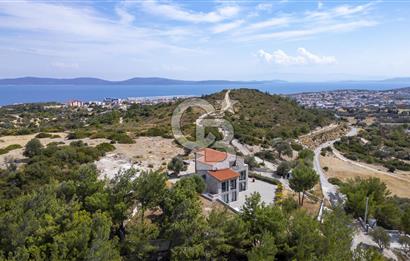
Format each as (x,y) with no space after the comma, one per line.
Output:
(74,103)
(225,175)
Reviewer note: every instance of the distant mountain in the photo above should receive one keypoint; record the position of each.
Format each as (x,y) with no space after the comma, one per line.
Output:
(398,79)
(52,81)
(132,81)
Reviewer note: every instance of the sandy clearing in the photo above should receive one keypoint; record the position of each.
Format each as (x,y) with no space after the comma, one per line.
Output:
(145,153)
(22,141)
(150,151)
(345,170)
(113,163)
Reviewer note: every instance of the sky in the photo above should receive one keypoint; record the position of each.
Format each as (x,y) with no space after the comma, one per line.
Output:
(294,40)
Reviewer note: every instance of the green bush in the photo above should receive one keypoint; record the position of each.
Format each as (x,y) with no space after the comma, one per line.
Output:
(79,134)
(265,179)
(121,138)
(296,146)
(105,147)
(335,181)
(9,148)
(43,135)
(157,132)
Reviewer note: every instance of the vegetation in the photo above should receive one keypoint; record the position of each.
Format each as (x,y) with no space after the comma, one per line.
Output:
(381,237)
(283,148)
(390,212)
(43,135)
(56,207)
(264,178)
(177,165)
(260,118)
(33,148)
(386,145)
(303,179)
(9,148)
(251,162)
(283,168)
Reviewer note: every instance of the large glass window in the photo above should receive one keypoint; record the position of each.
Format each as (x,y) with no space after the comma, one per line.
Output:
(243,175)
(233,198)
(242,186)
(225,186)
(233,184)
(225,197)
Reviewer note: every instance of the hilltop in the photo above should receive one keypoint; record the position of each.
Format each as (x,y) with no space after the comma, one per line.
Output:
(261,117)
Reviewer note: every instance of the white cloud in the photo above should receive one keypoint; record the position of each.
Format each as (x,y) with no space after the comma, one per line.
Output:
(175,12)
(338,11)
(264,7)
(125,17)
(276,21)
(65,65)
(303,57)
(220,28)
(319,5)
(316,59)
(314,30)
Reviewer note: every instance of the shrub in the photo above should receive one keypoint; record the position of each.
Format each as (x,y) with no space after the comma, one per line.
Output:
(155,131)
(265,179)
(251,162)
(335,181)
(9,148)
(306,154)
(79,134)
(177,165)
(296,146)
(33,148)
(54,143)
(266,155)
(105,147)
(42,135)
(283,168)
(121,138)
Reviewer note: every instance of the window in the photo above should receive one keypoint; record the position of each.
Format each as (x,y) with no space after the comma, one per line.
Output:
(225,186)
(233,184)
(243,175)
(233,198)
(242,186)
(225,197)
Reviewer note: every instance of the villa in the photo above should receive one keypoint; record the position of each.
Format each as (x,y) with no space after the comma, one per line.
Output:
(225,175)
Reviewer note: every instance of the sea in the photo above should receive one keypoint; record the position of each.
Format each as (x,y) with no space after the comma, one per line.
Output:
(15,94)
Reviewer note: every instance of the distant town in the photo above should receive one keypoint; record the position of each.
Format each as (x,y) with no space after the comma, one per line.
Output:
(111,102)
(335,100)
(345,99)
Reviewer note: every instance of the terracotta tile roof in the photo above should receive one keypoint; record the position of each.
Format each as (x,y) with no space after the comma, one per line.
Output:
(212,156)
(223,174)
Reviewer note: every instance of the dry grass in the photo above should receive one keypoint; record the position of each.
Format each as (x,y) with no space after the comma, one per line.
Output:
(345,170)
(150,152)
(311,206)
(153,152)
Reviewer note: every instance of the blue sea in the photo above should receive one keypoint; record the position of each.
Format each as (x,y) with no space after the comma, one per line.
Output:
(12,94)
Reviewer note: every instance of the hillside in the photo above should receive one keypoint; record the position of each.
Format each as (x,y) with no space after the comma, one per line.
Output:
(260,117)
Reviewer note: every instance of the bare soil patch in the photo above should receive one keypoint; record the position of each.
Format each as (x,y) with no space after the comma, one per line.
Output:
(150,152)
(345,170)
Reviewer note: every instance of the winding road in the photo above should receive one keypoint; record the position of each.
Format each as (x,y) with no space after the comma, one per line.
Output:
(329,190)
